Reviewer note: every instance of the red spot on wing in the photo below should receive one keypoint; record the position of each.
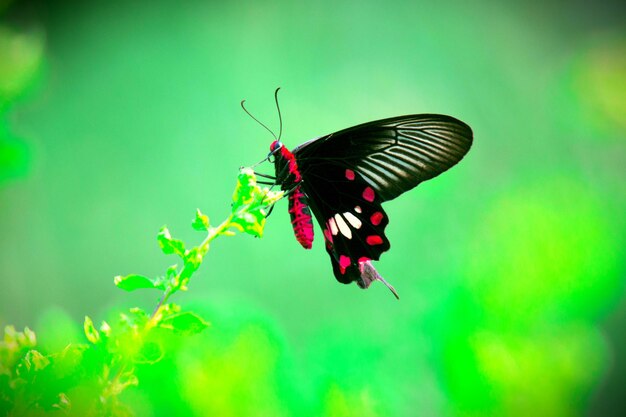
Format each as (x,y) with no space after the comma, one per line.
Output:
(368,194)
(344,262)
(374,240)
(328,235)
(349,174)
(363,259)
(376,218)
(328,238)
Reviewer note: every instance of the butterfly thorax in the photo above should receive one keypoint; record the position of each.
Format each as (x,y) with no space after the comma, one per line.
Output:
(289,178)
(287,172)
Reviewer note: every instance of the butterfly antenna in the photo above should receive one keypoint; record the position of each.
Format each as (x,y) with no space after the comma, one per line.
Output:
(255,119)
(280,118)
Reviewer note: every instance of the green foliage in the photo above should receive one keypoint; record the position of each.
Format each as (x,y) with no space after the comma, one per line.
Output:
(21,58)
(249,203)
(185,323)
(201,222)
(134,282)
(24,372)
(88,378)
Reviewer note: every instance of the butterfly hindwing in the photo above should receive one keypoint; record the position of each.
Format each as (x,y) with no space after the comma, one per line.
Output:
(351,217)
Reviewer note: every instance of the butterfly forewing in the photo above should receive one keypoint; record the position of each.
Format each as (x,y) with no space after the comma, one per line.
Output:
(391,155)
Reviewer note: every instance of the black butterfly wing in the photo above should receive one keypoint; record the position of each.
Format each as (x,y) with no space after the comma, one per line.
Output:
(351,217)
(348,174)
(391,155)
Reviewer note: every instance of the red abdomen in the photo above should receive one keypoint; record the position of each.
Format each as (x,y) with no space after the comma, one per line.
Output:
(301,218)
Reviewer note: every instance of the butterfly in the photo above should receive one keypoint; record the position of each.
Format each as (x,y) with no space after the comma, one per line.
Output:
(343,178)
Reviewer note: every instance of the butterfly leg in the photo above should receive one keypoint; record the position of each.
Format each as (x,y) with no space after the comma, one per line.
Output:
(369,275)
(272,186)
(269,177)
(270,211)
(285,194)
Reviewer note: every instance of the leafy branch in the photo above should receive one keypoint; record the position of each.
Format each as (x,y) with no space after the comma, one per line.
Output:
(34,382)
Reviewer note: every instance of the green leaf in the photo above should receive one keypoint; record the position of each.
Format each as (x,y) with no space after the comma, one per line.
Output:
(105,328)
(10,337)
(187,323)
(14,340)
(251,222)
(150,353)
(201,222)
(171,272)
(63,403)
(250,203)
(31,362)
(194,258)
(35,360)
(170,245)
(161,283)
(90,331)
(133,282)
(29,337)
(245,189)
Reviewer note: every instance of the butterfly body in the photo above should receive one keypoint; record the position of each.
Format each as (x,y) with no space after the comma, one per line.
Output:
(289,178)
(343,178)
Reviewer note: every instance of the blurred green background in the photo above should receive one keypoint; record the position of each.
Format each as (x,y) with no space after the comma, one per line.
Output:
(117,117)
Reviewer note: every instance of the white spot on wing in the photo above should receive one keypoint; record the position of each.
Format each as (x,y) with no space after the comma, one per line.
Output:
(358,209)
(352,219)
(343,227)
(333,226)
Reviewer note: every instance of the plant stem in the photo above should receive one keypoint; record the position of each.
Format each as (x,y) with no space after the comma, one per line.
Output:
(213,233)
(204,247)
(164,297)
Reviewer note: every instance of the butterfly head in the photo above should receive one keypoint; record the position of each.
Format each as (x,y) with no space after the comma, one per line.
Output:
(274,148)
